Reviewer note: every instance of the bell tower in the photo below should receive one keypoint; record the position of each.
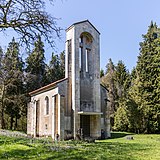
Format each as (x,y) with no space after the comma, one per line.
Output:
(83,72)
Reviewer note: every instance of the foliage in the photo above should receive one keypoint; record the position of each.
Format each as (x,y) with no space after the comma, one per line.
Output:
(56,68)
(143,147)
(101,73)
(122,80)
(109,82)
(29,19)
(145,90)
(16,81)
(11,83)
(136,96)
(117,80)
(121,119)
(35,66)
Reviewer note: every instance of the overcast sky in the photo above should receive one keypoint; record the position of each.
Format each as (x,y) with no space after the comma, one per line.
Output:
(120,22)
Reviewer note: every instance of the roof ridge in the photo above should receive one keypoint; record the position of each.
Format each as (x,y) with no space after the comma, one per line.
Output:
(82,22)
(47,86)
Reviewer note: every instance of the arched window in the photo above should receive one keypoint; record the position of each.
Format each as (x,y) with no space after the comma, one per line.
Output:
(47,105)
(85,46)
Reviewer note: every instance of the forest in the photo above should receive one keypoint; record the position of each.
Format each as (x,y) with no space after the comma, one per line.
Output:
(18,77)
(135,97)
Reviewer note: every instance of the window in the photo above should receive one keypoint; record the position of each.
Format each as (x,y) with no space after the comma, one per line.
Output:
(47,105)
(85,46)
(46,127)
(80,57)
(87,60)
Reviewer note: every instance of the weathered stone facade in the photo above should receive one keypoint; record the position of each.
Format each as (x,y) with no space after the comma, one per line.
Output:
(76,104)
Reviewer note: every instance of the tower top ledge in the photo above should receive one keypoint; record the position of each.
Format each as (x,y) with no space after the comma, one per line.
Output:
(74,24)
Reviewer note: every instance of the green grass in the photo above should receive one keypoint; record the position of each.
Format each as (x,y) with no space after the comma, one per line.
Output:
(143,147)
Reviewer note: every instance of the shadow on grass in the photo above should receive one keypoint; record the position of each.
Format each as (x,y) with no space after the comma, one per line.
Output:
(83,151)
(120,134)
(100,151)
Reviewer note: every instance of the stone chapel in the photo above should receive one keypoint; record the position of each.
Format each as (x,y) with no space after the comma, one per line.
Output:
(76,104)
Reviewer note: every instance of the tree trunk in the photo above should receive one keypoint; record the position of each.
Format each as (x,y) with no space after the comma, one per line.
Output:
(2,119)
(2,125)
(11,123)
(16,124)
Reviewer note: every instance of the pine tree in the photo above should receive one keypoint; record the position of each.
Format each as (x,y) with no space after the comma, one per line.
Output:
(36,66)
(62,65)
(109,82)
(12,99)
(145,89)
(122,79)
(1,90)
(56,68)
(101,73)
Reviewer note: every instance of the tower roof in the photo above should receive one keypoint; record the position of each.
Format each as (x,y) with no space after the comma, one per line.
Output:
(80,23)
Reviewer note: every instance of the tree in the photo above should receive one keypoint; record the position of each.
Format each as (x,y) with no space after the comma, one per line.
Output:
(56,68)
(36,67)
(62,65)
(1,90)
(12,98)
(109,82)
(29,19)
(101,73)
(121,121)
(122,80)
(145,90)
(117,79)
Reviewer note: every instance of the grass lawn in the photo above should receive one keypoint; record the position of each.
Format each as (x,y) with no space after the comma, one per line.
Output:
(142,147)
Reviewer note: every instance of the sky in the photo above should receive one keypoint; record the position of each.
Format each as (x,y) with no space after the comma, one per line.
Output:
(120,22)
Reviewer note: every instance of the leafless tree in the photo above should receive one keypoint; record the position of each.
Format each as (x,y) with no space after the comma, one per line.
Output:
(29,19)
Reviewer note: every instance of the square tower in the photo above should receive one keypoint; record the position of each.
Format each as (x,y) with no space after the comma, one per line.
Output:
(83,72)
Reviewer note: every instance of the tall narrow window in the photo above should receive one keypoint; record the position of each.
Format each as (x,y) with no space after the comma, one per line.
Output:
(80,58)
(87,60)
(69,56)
(47,105)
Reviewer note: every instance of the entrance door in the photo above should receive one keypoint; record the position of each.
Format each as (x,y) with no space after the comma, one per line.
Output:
(85,125)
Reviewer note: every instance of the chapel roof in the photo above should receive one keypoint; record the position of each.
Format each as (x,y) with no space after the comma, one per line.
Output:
(47,87)
(80,23)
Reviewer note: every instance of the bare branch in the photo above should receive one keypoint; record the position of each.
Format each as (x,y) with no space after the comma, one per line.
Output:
(29,19)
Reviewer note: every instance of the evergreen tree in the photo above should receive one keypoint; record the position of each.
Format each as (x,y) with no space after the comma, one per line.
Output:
(109,82)
(145,90)
(101,73)
(1,90)
(36,67)
(121,121)
(122,79)
(56,68)
(12,98)
(62,65)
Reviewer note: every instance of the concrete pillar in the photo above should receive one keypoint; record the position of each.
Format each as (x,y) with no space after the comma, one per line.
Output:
(66,59)
(34,119)
(53,120)
(95,128)
(59,114)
